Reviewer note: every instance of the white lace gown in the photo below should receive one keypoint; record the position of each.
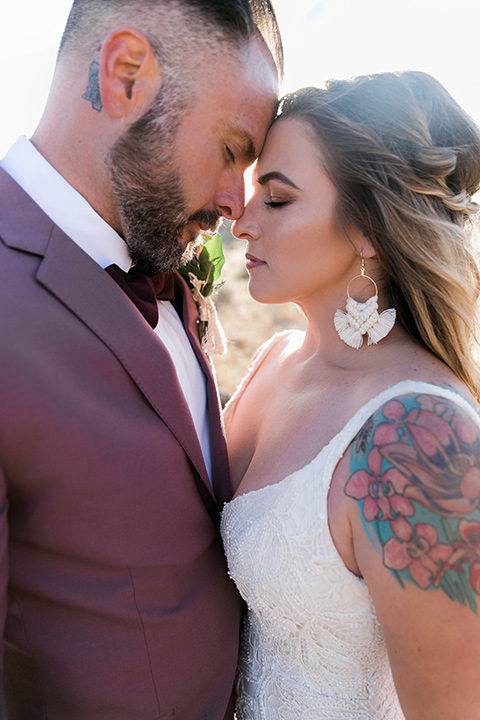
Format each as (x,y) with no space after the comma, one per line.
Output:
(312,646)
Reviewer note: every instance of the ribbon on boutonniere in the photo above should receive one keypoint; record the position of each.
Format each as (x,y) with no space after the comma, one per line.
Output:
(203,275)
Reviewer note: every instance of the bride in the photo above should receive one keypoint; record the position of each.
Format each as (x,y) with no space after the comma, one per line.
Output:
(354,532)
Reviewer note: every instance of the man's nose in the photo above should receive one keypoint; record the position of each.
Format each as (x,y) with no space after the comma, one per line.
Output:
(230,201)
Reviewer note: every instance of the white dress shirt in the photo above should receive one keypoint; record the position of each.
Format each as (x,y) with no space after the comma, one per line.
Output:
(73,214)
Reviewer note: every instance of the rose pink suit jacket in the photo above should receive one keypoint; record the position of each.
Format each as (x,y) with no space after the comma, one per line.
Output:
(119,604)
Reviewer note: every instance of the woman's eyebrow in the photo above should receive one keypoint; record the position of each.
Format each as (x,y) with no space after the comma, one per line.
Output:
(275,175)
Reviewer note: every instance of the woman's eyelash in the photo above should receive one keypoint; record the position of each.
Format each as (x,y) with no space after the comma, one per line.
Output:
(274,204)
(230,154)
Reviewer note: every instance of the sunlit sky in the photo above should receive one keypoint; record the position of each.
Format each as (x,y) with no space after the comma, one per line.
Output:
(330,38)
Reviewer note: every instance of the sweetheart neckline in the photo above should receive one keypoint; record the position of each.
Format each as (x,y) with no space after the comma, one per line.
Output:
(287,477)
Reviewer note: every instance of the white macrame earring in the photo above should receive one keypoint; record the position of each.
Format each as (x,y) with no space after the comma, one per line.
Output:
(363,317)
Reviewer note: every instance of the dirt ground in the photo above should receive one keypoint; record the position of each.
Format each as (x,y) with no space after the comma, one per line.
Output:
(247,323)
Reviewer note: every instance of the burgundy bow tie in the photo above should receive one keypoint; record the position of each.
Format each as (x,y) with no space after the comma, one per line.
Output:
(144,291)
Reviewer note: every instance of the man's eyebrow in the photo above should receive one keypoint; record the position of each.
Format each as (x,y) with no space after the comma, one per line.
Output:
(249,151)
(274,175)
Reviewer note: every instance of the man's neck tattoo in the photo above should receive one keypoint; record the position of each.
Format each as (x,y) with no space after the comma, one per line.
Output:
(92,93)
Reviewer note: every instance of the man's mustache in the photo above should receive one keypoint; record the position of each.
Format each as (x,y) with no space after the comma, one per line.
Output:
(207,219)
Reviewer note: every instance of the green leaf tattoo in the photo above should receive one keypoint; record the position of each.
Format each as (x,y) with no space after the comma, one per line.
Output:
(415,472)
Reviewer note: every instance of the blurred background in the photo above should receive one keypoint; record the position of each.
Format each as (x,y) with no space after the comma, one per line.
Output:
(323,39)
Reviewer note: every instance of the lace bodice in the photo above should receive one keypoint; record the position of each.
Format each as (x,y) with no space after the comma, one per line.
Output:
(312,646)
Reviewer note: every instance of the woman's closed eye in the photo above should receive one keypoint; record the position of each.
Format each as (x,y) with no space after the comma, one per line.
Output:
(276,203)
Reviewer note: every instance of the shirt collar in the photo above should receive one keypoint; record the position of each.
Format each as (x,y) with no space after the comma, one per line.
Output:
(64,205)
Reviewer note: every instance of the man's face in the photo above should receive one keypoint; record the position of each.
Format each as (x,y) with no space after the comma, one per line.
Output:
(179,168)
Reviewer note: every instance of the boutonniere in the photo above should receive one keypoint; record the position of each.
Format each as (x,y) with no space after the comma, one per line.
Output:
(203,275)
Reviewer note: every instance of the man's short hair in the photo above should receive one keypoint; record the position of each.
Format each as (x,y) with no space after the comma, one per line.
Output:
(236,21)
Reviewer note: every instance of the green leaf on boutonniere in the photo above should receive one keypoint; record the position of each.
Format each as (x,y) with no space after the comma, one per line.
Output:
(206,264)
(202,274)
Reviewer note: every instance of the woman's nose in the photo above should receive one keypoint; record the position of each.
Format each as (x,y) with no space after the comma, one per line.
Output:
(245,228)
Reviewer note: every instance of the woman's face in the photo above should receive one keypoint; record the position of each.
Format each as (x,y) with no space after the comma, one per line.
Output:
(295,248)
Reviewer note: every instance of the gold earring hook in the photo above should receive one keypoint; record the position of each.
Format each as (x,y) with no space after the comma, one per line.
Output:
(362,275)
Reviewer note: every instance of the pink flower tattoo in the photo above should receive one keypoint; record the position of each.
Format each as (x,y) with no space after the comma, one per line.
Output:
(415,472)
(382,494)
(416,548)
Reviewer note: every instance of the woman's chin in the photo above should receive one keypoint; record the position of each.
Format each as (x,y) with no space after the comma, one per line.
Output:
(265,295)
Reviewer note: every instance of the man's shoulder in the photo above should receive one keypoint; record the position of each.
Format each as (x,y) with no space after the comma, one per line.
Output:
(23,225)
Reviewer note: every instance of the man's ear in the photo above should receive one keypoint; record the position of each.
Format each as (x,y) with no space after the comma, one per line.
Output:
(130,75)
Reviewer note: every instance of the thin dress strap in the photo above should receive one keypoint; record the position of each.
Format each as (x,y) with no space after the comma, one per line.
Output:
(257,360)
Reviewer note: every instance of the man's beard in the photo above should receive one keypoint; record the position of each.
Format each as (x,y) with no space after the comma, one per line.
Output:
(153,210)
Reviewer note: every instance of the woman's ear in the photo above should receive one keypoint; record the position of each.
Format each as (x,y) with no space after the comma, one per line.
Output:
(365,248)
(129,74)
(362,244)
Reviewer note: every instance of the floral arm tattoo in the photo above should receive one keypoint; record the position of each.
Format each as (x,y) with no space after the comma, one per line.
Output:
(415,472)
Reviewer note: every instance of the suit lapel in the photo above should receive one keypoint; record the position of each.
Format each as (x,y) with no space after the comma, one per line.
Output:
(87,290)
(220,466)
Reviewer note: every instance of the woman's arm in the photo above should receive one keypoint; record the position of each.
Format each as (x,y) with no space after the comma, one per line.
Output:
(415,487)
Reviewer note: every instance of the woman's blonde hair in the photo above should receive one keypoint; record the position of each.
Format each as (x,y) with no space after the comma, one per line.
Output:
(405,159)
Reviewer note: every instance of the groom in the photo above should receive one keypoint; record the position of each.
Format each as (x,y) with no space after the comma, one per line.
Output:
(113,468)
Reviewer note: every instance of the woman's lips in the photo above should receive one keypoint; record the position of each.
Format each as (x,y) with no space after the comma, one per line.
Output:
(253,262)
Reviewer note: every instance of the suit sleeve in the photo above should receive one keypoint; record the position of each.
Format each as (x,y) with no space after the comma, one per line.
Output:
(3,573)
